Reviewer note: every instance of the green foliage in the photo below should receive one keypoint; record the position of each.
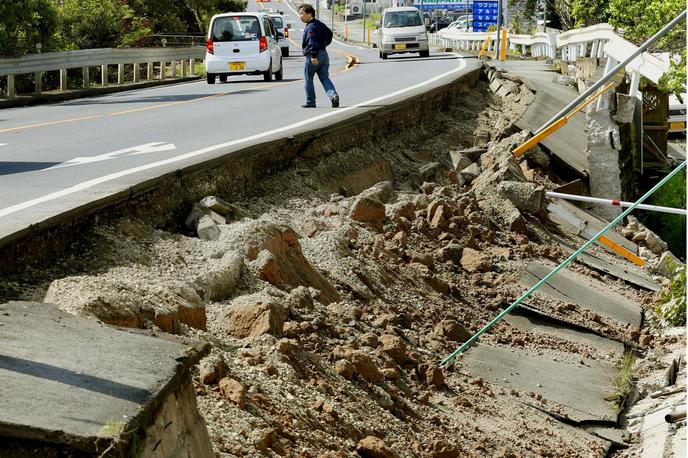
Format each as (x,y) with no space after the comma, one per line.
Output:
(589,12)
(671,302)
(183,16)
(622,382)
(671,228)
(23,23)
(675,79)
(100,24)
(371,19)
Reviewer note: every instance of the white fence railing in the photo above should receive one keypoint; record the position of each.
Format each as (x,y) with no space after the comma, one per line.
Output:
(37,64)
(600,40)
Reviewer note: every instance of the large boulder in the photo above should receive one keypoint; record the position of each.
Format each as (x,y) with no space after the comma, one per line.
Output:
(130,298)
(276,255)
(368,209)
(254,315)
(374,447)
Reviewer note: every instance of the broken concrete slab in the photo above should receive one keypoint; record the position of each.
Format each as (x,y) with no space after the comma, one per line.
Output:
(591,294)
(626,272)
(537,325)
(573,391)
(77,386)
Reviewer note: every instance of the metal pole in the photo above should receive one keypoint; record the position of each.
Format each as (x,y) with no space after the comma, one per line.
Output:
(612,72)
(615,202)
(544,29)
(364,19)
(466,15)
(499,27)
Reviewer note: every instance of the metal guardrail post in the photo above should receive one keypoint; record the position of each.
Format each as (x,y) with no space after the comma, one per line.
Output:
(613,71)
(104,75)
(120,73)
(137,72)
(38,82)
(173,69)
(192,62)
(183,64)
(85,76)
(149,71)
(11,89)
(63,79)
(162,70)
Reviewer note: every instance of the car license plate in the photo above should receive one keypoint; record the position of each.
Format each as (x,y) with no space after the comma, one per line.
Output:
(677,125)
(400,46)
(234,66)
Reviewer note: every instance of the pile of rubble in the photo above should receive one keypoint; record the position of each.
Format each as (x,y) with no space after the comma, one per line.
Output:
(328,312)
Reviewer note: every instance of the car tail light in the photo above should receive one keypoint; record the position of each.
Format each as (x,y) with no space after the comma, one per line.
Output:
(263,44)
(209,46)
(286,32)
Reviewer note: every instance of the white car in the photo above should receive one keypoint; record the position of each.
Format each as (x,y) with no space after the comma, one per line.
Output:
(282,32)
(402,30)
(242,44)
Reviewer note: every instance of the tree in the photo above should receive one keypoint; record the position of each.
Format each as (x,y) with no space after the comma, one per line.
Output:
(23,23)
(183,16)
(589,12)
(89,24)
(563,10)
(642,19)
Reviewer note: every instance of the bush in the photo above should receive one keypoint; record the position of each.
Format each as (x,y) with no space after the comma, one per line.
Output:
(671,301)
(671,228)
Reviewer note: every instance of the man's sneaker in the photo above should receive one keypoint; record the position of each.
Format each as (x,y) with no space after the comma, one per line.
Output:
(335,101)
(307,105)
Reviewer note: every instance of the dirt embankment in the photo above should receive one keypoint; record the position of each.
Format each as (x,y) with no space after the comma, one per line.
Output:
(336,290)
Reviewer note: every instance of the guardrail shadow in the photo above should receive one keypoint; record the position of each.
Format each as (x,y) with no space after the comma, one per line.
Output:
(11,168)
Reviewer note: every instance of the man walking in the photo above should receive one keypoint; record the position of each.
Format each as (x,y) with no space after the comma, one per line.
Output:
(316,37)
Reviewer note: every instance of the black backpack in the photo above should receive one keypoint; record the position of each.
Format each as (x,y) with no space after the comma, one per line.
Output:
(328,36)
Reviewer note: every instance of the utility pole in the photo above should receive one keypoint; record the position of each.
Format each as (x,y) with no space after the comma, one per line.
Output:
(364,19)
(499,27)
(466,11)
(544,25)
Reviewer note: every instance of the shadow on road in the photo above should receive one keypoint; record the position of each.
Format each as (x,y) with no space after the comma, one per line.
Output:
(10,168)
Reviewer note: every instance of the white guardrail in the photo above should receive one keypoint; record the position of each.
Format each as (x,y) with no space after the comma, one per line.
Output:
(183,58)
(599,40)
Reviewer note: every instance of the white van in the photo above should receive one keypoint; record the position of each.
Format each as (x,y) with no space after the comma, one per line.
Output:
(242,44)
(402,30)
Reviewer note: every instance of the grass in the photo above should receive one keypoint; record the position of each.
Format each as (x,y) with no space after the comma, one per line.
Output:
(622,382)
(671,303)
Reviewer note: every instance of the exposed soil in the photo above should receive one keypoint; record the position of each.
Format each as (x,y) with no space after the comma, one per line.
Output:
(328,318)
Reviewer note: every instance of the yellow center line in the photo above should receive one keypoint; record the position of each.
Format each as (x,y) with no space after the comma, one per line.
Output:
(63,121)
(350,58)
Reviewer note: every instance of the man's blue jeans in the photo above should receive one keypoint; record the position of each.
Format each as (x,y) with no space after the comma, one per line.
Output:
(322,69)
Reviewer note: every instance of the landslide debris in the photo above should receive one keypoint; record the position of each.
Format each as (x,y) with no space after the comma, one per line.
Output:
(331,299)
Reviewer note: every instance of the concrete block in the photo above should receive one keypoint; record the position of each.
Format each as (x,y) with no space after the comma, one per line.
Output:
(456,160)
(470,173)
(207,228)
(527,197)
(227,210)
(429,171)
(495,84)
(564,80)
(625,107)
(668,264)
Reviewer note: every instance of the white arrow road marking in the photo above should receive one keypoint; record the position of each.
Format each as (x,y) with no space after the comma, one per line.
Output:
(154,147)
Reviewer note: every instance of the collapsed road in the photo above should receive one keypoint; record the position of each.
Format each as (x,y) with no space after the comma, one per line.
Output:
(329,289)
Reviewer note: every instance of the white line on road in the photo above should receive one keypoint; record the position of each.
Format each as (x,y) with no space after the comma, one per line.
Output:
(252,138)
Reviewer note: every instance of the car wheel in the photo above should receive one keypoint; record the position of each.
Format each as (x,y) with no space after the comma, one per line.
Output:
(424,54)
(267,75)
(383,55)
(279,74)
(210,77)
(285,52)
(223,78)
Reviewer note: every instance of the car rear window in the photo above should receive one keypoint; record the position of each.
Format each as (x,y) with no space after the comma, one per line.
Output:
(402,19)
(236,28)
(277,21)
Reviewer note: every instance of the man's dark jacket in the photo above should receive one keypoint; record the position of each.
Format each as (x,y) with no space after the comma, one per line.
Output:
(316,37)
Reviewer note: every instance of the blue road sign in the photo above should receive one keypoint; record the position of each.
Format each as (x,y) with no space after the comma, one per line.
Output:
(484,15)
